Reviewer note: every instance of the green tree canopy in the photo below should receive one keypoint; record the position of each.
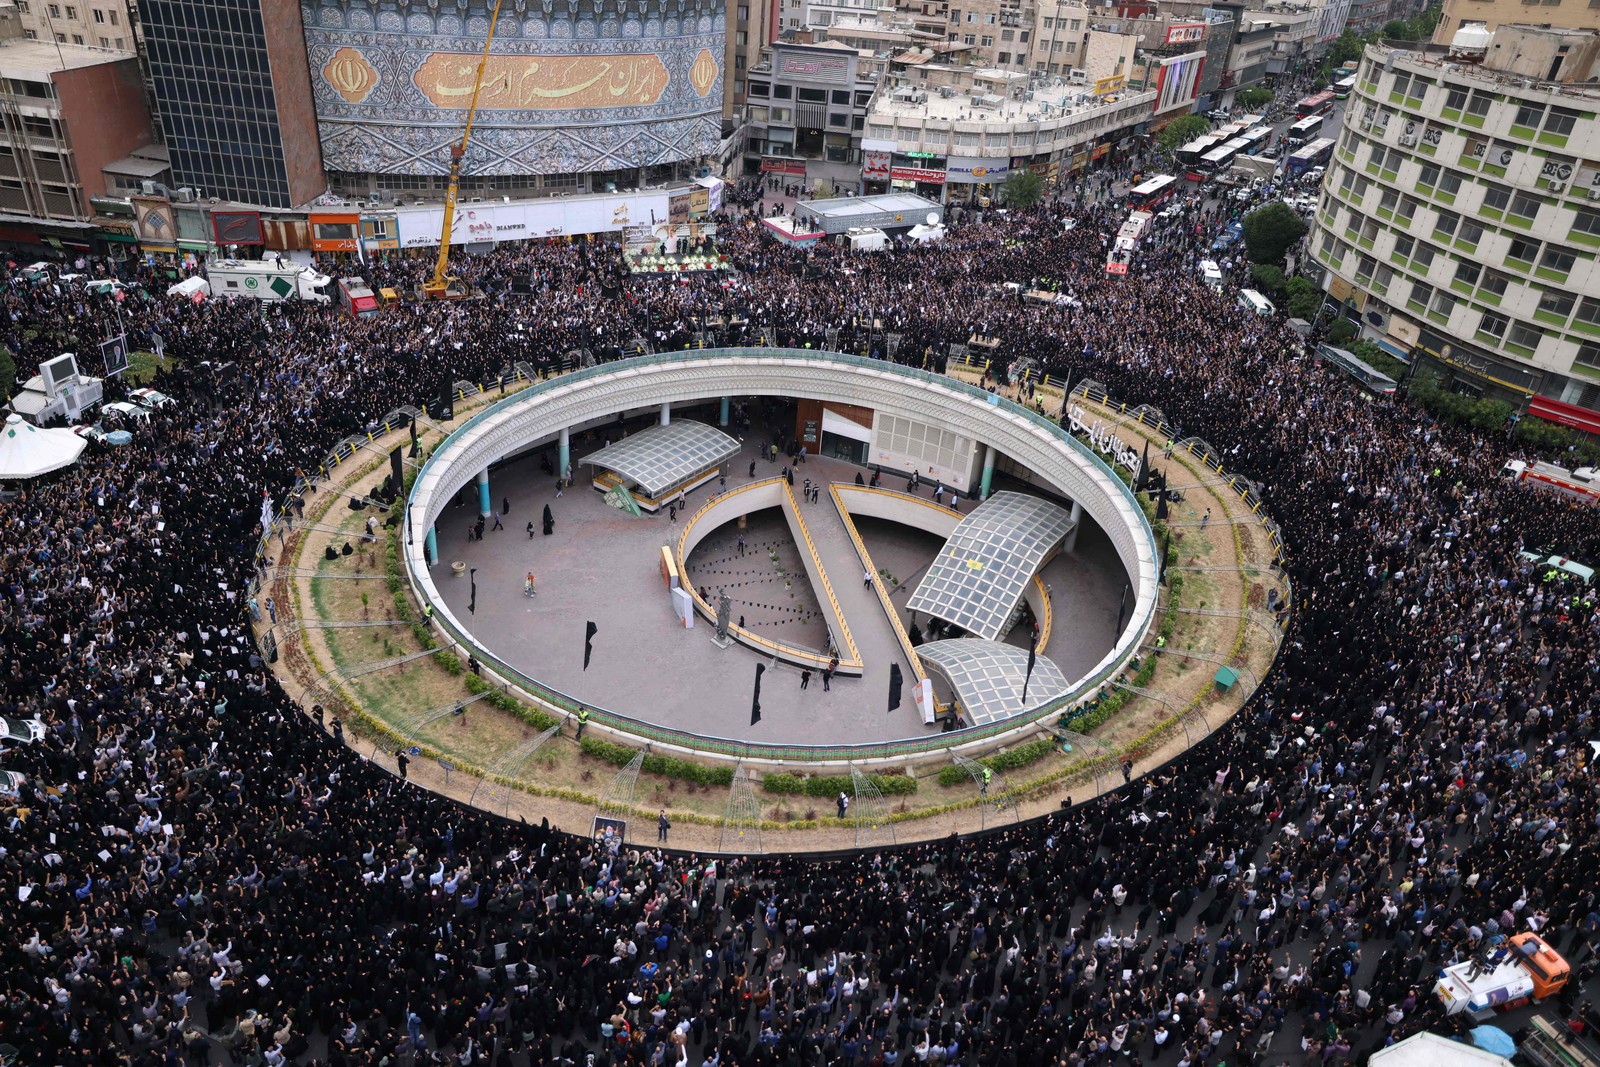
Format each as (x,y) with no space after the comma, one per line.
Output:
(1270,231)
(1023,189)
(8,374)
(1180,132)
(1253,98)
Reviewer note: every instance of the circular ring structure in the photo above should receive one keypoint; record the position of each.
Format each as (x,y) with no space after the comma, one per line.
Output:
(540,412)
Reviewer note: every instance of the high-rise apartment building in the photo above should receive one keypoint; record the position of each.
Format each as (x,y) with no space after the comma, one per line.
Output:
(1460,217)
(232,84)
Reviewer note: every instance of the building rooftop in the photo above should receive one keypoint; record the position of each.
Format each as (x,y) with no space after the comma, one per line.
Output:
(37,60)
(661,458)
(1047,102)
(1442,59)
(851,208)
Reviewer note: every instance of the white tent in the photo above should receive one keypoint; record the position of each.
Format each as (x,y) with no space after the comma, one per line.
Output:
(27,451)
(1431,1050)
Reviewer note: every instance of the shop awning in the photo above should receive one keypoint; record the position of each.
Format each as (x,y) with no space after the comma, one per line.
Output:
(1565,414)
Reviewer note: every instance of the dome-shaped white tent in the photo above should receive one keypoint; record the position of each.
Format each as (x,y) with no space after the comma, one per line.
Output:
(27,451)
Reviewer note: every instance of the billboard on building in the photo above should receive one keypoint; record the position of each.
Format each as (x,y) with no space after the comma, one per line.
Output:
(1178,81)
(419,227)
(1186,32)
(583,87)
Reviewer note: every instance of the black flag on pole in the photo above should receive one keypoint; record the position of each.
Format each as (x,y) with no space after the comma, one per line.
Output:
(1144,469)
(755,698)
(1033,651)
(472,605)
(895,682)
(589,630)
(1161,507)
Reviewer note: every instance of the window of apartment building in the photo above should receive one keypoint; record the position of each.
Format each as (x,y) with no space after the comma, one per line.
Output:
(1558,260)
(1560,122)
(1423,257)
(1382,279)
(1418,90)
(1493,323)
(1024,37)
(1524,336)
(1523,250)
(1364,268)
(966,140)
(1471,232)
(99,16)
(104,43)
(1075,24)
(744,12)
(1445,225)
(77,38)
(1495,282)
(1005,59)
(738,61)
(1455,99)
(1450,183)
(1467,272)
(1008,35)
(986,41)
(1403,245)
(988,20)
(1389,199)
(1479,103)
(30,35)
(1497,197)
(1588,355)
(839,120)
(1525,205)
(968,38)
(841,96)
(1529,115)
(811,96)
(1421,293)
(55,11)
(23,6)
(1429,176)
(1589,311)
(1402,82)
(72,12)
(1408,209)
(1346,179)
(1586,221)
(782,92)
(741,38)
(760,89)
(61,38)
(1442,303)
(113,16)
(1049,23)
(1555,302)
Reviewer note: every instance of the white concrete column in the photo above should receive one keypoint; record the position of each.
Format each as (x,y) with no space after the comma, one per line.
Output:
(1077,518)
(666,414)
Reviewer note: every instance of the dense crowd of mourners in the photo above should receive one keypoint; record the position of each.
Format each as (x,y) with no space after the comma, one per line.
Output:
(194,872)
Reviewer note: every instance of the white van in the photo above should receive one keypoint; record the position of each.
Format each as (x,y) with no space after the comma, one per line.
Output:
(1253,301)
(1211,274)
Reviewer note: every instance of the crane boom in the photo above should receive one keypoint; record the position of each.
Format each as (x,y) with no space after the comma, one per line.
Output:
(439,285)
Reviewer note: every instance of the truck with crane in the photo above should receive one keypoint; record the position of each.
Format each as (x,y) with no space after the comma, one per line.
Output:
(442,286)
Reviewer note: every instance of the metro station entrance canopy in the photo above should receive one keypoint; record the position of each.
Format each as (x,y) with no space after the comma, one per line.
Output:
(661,460)
(978,578)
(989,677)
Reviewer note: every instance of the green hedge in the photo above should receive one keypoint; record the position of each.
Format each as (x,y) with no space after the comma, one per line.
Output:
(665,766)
(1009,760)
(830,785)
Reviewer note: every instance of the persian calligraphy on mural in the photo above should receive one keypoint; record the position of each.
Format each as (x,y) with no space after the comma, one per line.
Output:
(535,83)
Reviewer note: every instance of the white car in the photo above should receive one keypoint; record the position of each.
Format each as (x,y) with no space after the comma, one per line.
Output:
(90,433)
(130,412)
(23,731)
(11,783)
(151,399)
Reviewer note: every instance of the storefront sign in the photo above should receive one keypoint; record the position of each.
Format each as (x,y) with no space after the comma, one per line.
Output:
(976,171)
(1110,85)
(237,227)
(875,167)
(334,233)
(784,166)
(1103,440)
(917,174)
(530,220)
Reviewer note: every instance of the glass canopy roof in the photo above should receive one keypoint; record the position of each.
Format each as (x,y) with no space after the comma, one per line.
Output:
(978,577)
(661,458)
(987,677)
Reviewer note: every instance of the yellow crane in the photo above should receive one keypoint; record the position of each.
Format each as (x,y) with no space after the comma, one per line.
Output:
(439,286)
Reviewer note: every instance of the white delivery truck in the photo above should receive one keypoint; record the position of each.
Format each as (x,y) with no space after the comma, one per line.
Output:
(1582,483)
(273,278)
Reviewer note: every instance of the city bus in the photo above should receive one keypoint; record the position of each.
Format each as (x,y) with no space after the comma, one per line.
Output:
(1127,242)
(1149,194)
(1316,154)
(1304,131)
(1218,160)
(1190,155)
(1344,87)
(1255,141)
(1319,104)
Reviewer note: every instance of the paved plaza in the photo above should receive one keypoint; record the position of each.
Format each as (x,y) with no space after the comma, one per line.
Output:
(603,565)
